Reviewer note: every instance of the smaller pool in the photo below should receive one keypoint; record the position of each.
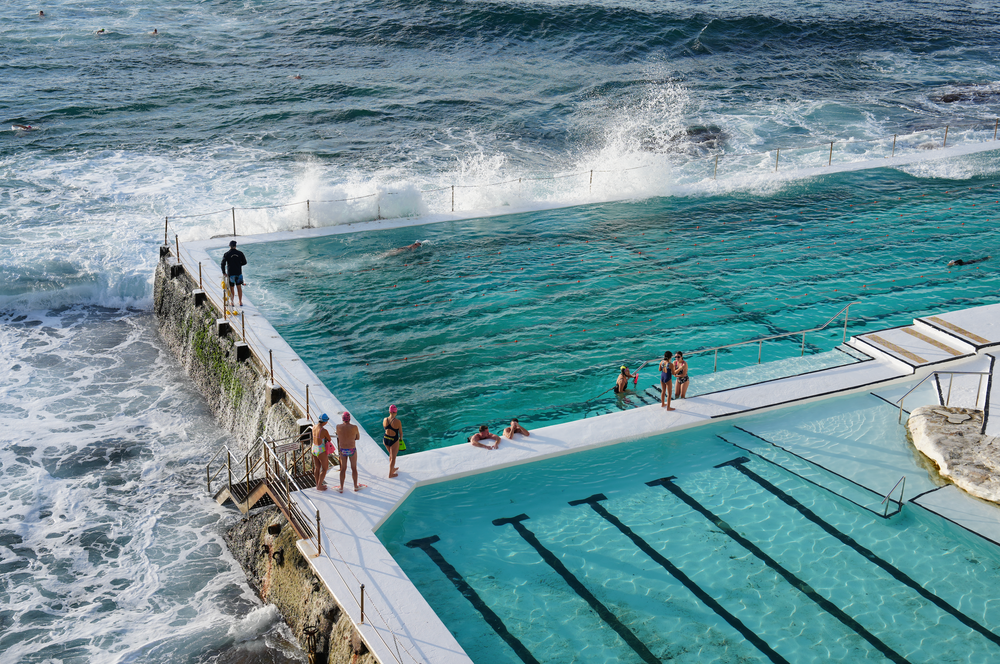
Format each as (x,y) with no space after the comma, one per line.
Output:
(762,542)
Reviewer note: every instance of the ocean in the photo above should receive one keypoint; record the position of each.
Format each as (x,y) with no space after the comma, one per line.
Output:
(110,549)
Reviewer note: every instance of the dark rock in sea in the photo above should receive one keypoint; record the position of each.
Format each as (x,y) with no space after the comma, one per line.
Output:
(697,140)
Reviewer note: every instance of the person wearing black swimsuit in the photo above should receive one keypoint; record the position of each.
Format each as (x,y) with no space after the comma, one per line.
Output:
(666,380)
(391,437)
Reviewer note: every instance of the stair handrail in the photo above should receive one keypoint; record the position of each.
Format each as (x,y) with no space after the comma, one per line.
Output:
(284,480)
(899,502)
(948,399)
(760,340)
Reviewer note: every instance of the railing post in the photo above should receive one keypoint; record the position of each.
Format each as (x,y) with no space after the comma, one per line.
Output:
(801,354)
(362,604)
(199,275)
(178,241)
(760,348)
(716,171)
(776,156)
(979,389)
(234,221)
(229,468)
(208,476)
(307,401)
(319,537)
(452,198)
(247,478)
(715,367)
(243,324)
(995,125)
(830,160)
(270,357)
(166,221)
(945,136)
(847,312)
(592,180)
(308,220)
(893,146)
(951,380)
(900,419)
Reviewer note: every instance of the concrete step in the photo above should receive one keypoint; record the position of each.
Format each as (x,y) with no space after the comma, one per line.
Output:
(915,347)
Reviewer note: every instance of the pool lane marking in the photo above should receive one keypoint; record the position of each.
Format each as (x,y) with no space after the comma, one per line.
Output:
(867,553)
(893,347)
(491,618)
(631,639)
(644,546)
(955,328)
(933,342)
(803,587)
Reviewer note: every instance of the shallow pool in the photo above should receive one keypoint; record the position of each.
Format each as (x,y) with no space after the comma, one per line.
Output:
(765,541)
(531,315)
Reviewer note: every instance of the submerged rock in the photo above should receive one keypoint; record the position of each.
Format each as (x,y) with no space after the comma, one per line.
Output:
(951,438)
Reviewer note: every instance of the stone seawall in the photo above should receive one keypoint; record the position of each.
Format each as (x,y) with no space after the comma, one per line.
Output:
(238,392)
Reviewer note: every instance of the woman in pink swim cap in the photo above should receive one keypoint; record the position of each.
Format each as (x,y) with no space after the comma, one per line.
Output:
(391,437)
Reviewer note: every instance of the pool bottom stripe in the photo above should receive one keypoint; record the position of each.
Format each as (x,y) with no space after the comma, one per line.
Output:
(803,587)
(696,590)
(631,639)
(491,618)
(867,553)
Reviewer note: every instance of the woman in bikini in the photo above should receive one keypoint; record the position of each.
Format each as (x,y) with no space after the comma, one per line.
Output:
(393,433)
(348,434)
(680,371)
(666,380)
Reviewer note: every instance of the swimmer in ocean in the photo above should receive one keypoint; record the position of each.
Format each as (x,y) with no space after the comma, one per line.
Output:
(412,247)
(22,127)
(961,262)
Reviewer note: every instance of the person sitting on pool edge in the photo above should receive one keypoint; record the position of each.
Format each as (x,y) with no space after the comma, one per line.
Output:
(515,427)
(623,379)
(348,435)
(484,434)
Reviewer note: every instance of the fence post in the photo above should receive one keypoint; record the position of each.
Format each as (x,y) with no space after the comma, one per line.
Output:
(847,312)
(945,136)
(270,357)
(378,205)
(319,537)
(452,198)
(362,604)
(307,401)
(830,160)
(803,352)
(199,274)
(166,220)
(177,240)
(893,146)
(715,367)
(591,181)
(778,154)
(243,323)
(760,349)
(308,220)
(716,171)
(229,468)
(234,222)
(995,125)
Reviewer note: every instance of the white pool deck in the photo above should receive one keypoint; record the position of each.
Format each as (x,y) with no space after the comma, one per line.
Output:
(399,624)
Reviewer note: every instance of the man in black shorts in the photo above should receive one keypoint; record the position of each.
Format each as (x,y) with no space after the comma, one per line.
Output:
(232,267)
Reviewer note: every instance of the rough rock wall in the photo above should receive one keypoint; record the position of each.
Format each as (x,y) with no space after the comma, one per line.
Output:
(951,438)
(237,392)
(281,576)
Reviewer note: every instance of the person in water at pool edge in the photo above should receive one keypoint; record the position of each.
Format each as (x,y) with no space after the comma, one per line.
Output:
(961,262)
(623,378)
(348,435)
(392,434)
(515,427)
(484,434)
(411,247)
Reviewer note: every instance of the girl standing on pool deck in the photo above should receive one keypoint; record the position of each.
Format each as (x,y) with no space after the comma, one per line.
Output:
(393,433)
(666,382)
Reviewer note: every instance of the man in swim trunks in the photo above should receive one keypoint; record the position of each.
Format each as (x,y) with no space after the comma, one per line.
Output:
(680,371)
(666,380)
(321,460)
(348,434)
(515,427)
(484,434)
(393,433)
(232,267)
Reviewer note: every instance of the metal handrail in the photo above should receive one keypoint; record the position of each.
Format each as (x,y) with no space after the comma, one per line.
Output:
(760,341)
(898,502)
(950,382)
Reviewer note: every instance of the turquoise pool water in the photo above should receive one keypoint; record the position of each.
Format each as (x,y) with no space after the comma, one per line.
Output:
(530,315)
(781,554)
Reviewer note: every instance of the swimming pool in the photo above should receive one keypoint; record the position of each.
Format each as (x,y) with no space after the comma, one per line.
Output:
(530,315)
(723,543)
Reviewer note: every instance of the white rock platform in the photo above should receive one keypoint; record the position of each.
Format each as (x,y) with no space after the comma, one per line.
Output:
(952,439)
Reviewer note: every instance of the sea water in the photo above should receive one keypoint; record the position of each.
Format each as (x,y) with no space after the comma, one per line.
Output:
(103,442)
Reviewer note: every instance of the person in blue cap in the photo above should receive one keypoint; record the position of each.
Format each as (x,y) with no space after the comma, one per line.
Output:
(320,442)
(232,267)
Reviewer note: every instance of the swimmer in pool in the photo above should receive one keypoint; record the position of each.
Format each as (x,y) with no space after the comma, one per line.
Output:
(484,434)
(961,262)
(347,442)
(22,127)
(515,427)
(412,247)
(623,378)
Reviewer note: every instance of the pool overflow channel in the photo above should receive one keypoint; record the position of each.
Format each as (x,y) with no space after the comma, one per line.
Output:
(672,486)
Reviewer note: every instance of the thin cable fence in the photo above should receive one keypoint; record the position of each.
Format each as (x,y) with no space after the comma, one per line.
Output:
(925,139)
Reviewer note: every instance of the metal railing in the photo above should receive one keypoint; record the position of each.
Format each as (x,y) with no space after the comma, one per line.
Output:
(760,341)
(951,380)
(899,503)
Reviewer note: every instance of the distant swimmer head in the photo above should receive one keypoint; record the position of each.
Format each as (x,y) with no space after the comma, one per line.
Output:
(232,243)
(324,418)
(392,409)
(41,13)
(155,32)
(346,417)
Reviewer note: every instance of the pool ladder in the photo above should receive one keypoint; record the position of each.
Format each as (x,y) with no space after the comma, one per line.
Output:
(951,381)
(899,503)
